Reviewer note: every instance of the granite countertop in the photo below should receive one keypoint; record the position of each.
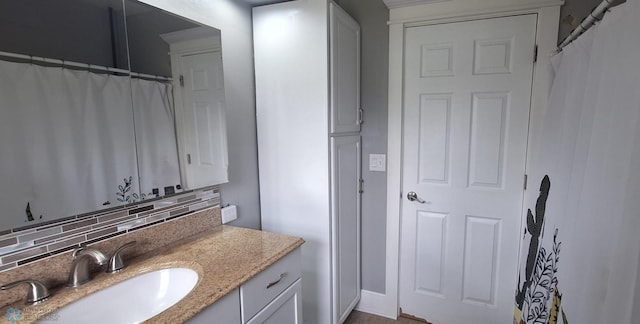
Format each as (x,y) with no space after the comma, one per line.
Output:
(224,258)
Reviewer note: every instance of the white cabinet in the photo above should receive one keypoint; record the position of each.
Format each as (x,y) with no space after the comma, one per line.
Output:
(256,293)
(346,115)
(225,310)
(345,196)
(308,120)
(271,297)
(285,309)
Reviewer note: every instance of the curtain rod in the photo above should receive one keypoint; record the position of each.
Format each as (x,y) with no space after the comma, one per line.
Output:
(586,23)
(83,66)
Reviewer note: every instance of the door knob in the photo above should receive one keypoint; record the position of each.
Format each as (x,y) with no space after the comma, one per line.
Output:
(412,196)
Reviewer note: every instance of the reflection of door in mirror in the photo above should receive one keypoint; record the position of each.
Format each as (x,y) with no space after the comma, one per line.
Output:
(196,62)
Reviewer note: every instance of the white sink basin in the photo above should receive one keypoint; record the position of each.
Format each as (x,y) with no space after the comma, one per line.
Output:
(133,300)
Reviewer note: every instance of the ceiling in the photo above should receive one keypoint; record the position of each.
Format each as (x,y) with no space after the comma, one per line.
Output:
(256,3)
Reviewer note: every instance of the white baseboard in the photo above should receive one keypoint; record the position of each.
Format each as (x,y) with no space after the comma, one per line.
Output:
(377,304)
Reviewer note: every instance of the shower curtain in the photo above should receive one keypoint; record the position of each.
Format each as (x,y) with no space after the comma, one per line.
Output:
(580,249)
(68,141)
(155,136)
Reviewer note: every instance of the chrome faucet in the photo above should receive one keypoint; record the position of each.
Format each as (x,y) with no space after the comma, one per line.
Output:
(115,262)
(79,273)
(36,294)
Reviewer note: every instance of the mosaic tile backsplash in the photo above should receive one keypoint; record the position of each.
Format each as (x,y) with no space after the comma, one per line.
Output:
(27,245)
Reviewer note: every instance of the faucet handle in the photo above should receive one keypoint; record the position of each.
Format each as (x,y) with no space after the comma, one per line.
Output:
(37,293)
(77,250)
(115,262)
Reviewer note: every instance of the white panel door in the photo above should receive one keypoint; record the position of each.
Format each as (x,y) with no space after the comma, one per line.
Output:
(346,115)
(466,116)
(203,132)
(345,210)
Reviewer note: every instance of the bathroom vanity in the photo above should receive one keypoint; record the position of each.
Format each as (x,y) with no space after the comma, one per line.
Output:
(244,276)
(272,296)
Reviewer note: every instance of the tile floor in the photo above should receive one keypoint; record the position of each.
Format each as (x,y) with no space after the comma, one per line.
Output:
(363,318)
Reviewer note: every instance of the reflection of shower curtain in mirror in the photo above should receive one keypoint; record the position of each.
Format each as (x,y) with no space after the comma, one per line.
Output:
(155,135)
(66,140)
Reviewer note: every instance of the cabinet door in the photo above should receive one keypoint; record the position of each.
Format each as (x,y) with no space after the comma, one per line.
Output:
(345,209)
(286,308)
(346,115)
(258,292)
(225,310)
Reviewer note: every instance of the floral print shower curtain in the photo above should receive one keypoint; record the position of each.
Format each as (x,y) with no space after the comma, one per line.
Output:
(580,250)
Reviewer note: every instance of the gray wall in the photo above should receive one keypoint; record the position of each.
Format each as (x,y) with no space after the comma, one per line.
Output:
(636,307)
(373,16)
(577,9)
(148,52)
(233,18)
(48,29)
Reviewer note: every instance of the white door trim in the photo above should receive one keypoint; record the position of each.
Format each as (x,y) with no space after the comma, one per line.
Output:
(547,31)
(454,9)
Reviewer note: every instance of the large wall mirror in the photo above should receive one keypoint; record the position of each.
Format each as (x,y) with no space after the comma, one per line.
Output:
(104,103)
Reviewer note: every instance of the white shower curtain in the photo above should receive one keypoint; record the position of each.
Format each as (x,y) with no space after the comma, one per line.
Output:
(66,139)
(580,251)
(155,135)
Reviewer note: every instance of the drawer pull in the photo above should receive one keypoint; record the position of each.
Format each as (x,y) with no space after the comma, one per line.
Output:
(282,276)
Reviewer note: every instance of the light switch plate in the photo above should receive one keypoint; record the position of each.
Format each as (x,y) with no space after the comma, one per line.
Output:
(229,213)
(377,162)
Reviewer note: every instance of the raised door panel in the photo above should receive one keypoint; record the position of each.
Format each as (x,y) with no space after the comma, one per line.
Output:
(345,197)
(286,308)
(346,116)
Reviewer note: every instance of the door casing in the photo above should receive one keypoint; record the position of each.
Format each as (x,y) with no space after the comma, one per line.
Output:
(459,247)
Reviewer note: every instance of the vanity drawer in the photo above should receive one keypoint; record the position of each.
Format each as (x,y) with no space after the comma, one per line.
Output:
(268,284)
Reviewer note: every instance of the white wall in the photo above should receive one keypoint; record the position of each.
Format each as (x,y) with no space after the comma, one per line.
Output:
(233,18)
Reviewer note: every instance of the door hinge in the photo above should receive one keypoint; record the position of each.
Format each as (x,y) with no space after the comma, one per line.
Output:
(360,185)
(182,80)
(188,158)
(526,178)
(535,54)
